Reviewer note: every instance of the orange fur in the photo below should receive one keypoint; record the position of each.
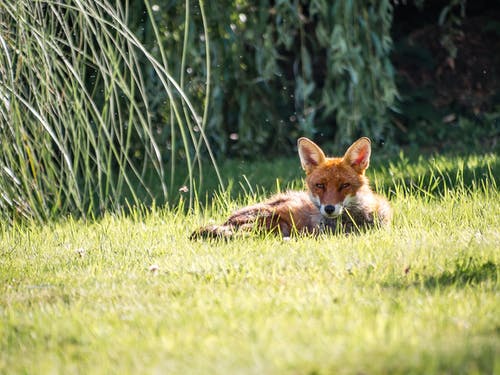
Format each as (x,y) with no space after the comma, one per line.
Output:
(338,198)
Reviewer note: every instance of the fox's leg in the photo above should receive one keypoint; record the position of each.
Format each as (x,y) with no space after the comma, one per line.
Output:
(283,213)
(261,217)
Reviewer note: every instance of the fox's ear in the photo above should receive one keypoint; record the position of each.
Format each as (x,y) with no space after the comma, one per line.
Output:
(310,154)
(358,155)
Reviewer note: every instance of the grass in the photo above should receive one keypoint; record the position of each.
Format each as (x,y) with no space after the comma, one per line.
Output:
(131,294)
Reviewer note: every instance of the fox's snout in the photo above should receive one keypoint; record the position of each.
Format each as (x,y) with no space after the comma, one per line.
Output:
(332,210)
(328,210)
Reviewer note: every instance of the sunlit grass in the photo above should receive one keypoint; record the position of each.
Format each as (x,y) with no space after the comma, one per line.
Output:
(131,294)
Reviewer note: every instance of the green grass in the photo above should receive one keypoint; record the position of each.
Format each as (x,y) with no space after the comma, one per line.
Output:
(419,297)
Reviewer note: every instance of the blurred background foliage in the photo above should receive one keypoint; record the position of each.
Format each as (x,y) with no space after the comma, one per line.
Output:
(416,73)
(447,75)
(111,103)
(284,69)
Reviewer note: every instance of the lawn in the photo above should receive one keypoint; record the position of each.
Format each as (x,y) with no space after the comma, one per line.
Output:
(131,294)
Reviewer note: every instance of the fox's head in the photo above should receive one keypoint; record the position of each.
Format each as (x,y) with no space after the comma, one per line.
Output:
(334,182)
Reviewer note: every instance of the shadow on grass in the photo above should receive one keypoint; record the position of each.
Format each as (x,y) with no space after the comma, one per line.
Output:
(466,272)
(426,176)
(433,176)
(469,271)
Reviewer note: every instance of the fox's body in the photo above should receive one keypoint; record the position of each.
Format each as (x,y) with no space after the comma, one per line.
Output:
(339,198)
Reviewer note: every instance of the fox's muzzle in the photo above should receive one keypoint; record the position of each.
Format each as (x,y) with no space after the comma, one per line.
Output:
(331,210)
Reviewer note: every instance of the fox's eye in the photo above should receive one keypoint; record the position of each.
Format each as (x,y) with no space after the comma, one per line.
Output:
(344,185)
(320,186)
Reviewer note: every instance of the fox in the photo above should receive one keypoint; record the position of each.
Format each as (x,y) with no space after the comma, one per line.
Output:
(338,198)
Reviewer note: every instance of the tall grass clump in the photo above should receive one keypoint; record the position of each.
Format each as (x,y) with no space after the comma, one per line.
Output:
(77,132)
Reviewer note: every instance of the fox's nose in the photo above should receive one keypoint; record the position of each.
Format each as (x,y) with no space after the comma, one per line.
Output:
(329,209)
